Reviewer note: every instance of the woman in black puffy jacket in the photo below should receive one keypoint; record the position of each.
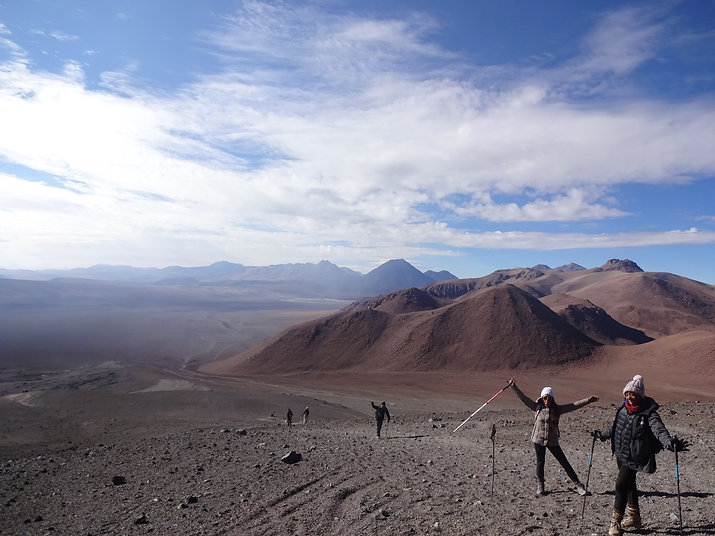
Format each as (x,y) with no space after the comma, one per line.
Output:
(637,435)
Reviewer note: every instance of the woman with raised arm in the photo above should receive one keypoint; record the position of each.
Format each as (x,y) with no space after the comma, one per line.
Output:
(545,434)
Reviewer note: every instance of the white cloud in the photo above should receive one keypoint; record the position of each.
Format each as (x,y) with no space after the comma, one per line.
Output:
(623,40)
(546,241)
(575,205)
(61,36)
(6,42)
(335,129)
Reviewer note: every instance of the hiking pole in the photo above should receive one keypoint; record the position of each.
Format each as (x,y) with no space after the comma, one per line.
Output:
(494,433)
(588,476)
(485,403)
(677,480)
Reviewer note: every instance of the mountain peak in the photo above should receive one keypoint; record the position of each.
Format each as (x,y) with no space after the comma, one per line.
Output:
(571,267)
(623,265)
(395,274)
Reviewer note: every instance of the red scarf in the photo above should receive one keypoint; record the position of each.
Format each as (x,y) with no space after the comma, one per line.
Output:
(632,408)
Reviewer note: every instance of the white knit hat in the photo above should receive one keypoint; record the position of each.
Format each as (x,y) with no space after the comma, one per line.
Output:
(636,386)
(547,391)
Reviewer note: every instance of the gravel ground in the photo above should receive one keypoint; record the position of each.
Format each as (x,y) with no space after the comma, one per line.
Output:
(420,478)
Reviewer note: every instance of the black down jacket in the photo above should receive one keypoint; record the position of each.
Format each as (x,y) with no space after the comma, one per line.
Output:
(637,438)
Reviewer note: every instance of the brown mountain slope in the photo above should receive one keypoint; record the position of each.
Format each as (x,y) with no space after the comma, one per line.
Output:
(408,300)
(680,365)
(497,328)
(535,280)
(456,288)
(653,302)
(593,321)
(501,327)
(657,303)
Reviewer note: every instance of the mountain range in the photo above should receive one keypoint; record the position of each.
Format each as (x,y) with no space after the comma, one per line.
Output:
(322,280)
(516,318)
(223,319)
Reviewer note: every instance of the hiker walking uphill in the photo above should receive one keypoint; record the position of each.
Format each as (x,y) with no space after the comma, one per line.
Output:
(380,413)
(545,434)
(636,436)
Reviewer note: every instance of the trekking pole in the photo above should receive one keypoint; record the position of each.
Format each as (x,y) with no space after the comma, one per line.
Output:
(494,433)
(677,480)
(588,476)
(485,403)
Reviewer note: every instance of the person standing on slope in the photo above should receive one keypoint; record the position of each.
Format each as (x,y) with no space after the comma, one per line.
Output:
(381,412)
(636,436)
(289,417)
(306,413)
(545,434)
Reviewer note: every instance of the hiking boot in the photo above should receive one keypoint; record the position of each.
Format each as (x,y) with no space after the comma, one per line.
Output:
(632,518)
(540,489)
(580,488)
(615,528)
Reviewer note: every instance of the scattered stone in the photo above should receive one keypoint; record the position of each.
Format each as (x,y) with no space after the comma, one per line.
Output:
(119,480)
(382,514)
(291,457)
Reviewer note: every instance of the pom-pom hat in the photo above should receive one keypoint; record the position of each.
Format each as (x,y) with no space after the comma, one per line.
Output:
(636,386)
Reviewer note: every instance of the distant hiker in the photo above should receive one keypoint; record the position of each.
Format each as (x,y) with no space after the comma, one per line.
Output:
(545,434)
(636,436)
(380,413)
(306,412)
(289,418)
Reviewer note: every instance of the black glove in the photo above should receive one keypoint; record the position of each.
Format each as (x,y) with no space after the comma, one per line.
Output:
(677,444)
(598,435)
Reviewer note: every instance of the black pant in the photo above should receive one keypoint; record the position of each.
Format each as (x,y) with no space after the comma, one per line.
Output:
(378,425)
(558,454)
(626,490)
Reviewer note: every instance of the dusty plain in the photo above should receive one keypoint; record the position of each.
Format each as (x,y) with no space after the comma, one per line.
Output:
(201,454)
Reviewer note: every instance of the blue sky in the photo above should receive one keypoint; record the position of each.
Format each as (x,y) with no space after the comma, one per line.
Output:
(460,135)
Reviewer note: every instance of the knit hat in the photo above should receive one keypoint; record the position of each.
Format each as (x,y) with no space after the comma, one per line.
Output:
(547,391)
(636,386)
